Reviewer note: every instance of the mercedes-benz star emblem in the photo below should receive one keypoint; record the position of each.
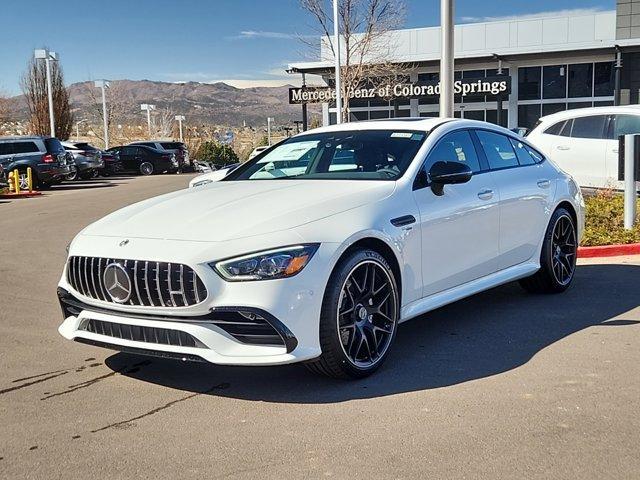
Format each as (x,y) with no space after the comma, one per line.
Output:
(117,282)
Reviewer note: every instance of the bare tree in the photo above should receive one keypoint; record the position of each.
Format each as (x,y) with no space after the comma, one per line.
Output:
(34,87)
(118,111)
(164,122)
(367,41)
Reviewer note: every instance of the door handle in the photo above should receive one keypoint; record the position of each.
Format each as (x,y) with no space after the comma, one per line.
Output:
(562,147)
(544,183)
(485,194)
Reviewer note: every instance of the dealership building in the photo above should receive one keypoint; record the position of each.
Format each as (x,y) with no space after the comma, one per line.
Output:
(543,65)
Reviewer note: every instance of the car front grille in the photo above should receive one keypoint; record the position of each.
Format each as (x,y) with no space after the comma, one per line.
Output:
(150,284)
(160,336)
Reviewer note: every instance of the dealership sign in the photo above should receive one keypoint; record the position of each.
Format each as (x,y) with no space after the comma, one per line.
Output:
(468,86)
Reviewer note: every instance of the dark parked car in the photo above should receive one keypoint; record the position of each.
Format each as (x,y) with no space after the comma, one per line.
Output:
(179,148)
(145,160)
(87,160)
(45,155)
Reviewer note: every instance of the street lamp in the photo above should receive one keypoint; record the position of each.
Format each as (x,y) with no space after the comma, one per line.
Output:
(103,84)
(446,58)
(269,120)
(148,107)
(47,56)
(180,119)
(78,129)
(336,48)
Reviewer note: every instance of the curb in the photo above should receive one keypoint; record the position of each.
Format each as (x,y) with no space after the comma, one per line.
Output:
(609,250)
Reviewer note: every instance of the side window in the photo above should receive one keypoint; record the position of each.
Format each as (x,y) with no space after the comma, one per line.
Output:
(626,124)
(127,151)
(523,153)
(498,150)
(6,148)
(25,147)
(556,128)
(589,127)
(455,147)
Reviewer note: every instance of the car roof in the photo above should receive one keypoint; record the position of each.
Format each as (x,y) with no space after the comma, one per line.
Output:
(579,112)
(408,123)
(22,137)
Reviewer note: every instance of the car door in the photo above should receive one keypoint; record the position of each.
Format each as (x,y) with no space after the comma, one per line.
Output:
(459,229)
(526,188)
(587,162)
(127,157)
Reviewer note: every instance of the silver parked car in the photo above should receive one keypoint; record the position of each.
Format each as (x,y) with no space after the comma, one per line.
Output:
(87,160)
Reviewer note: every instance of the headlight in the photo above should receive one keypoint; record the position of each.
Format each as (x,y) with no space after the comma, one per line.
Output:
(201,182)
(281,263)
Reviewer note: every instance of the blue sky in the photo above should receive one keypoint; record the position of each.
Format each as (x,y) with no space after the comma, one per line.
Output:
(205,40)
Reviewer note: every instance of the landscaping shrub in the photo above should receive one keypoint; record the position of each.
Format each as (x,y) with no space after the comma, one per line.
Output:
(604,219)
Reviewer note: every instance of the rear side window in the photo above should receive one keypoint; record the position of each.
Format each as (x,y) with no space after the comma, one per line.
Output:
(498,149)
(171,145)
(556,128)
(589,127)
(455,147)
(523,153)
(25,147)
(6,148)
(53,145)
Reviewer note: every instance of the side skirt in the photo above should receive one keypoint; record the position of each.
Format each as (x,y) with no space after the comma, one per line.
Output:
(437,300)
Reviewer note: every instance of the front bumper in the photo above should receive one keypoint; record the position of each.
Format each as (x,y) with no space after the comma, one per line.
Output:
(287,311)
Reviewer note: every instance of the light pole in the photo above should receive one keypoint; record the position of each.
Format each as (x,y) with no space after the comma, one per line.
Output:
(47,56)
(336,48)
(148,107)
(103,84)
(269,120)
(446,58)
(78,129)
(180,119)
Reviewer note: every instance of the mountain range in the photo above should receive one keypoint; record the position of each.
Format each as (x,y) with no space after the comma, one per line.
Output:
(206,103)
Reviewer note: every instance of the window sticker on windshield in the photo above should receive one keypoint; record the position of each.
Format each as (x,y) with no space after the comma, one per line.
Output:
(417,136)
(401,135)
(291,151)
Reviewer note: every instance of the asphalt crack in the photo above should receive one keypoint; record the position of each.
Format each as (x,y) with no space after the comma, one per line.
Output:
(125,423)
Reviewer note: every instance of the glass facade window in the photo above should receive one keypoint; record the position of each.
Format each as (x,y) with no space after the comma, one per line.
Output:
(375,114)
(428,77)
(603,83)
(474,115)
(529,83)
(492,117)
(549,108)
(580,79)
(528,115)
(554,81)
(572,105)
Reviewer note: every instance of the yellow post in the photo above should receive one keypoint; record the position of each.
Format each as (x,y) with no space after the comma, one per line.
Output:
(16,179)
(11,183)
(29,179)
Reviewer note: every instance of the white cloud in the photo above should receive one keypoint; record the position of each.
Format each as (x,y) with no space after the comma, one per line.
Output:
(553,13)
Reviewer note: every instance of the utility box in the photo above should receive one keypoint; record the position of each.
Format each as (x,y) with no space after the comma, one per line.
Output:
(636,162)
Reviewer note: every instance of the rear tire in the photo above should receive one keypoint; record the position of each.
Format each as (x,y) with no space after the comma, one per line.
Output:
(359,317)
(146,168)
(557,258)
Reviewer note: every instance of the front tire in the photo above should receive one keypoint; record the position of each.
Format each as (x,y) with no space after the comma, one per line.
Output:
(359,317)
(558,256)
(146,168)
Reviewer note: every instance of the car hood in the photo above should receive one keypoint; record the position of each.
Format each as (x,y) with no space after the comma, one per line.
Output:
(231,210)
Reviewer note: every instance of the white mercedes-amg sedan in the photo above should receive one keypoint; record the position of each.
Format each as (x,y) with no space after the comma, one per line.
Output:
(316,249)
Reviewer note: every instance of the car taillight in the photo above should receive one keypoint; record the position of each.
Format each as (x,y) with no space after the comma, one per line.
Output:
(48,158)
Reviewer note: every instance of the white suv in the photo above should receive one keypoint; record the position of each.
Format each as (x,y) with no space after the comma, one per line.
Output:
(584,142)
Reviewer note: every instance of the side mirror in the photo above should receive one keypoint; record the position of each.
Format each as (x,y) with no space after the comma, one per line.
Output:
(448,173)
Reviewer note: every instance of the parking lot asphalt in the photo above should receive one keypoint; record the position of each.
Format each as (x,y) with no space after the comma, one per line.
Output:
(501,385)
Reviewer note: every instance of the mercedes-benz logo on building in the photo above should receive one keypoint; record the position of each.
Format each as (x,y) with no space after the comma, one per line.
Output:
(117,282)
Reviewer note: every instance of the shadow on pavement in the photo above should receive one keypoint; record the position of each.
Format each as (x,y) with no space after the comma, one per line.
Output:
(83,185)
(481,336)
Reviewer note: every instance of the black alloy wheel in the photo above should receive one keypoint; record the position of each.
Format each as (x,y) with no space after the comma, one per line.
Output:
(359,317)
(557,258)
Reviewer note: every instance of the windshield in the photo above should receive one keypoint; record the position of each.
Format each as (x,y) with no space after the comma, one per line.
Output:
(345,155)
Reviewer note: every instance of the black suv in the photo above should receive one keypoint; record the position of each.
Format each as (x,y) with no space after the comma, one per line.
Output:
(145,160)
(45,155)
